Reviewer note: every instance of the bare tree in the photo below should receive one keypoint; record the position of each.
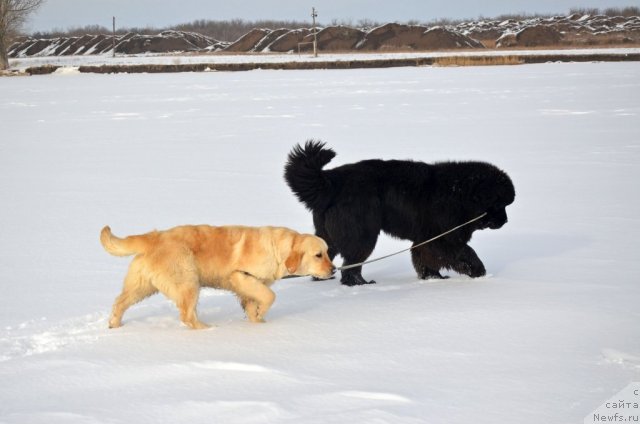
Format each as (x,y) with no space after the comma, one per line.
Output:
(13,14)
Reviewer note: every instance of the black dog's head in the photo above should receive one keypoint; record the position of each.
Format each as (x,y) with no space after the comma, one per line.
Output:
(493,195)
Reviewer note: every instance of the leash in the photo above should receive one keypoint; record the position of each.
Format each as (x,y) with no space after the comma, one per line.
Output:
(342,268)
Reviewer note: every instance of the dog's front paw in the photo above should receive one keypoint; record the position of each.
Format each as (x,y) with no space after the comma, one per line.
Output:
(197,325)
(473,269)
(476,270)
(354,280)
(428,274)
(115,323)
(256,318)
(473,272)
(478,273)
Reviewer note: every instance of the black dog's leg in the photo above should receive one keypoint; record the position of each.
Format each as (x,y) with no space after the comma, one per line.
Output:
(357,254)
(353,277)
(353,236)
(354,254)
(426,262)
(468,263)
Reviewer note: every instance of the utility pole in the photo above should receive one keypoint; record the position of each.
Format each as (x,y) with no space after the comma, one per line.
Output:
(314,15)
(114,36)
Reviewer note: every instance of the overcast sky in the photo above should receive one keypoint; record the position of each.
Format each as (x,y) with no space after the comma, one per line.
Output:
(65,14)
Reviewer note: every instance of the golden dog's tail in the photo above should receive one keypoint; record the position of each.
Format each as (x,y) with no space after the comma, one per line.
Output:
(126,246)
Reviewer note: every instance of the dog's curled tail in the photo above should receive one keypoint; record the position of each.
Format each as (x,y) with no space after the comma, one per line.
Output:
(303,173)
(125,246)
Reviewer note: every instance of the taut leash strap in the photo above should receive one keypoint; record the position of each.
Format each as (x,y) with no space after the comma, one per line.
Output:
(342,268)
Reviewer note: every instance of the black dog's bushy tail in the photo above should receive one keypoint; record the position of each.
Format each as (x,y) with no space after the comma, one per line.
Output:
(303,173)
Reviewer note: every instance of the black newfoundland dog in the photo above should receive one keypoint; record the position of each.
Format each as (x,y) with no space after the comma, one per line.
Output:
(409,200)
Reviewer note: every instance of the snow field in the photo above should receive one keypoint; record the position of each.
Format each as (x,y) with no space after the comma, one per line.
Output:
(548,336)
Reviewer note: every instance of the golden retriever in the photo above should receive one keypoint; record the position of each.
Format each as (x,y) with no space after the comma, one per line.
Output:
(244,260)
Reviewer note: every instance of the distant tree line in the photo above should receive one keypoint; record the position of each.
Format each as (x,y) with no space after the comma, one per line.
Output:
(610,11)
(231,30)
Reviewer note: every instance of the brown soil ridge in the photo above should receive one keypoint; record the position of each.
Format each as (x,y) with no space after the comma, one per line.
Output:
(560,31)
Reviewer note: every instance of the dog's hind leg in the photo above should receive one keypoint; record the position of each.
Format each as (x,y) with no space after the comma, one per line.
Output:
(256,298)
(187,302)
(185,295)
(176,276)
(136,287)
(184,291)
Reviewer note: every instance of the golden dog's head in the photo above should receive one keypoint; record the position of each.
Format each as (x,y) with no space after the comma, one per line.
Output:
(309,256)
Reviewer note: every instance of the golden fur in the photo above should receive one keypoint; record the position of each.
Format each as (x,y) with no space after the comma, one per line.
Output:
(244,260)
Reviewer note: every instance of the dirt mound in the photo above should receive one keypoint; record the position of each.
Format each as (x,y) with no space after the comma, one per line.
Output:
(167,41)
(28,48)
(263,45)
(337,38)
(153,44)
(411,37)
(482,31)
(248,41)
(268,40)
(533,36)
(131,43)
(288,42)
(391,37)
(443,38)
(566,31)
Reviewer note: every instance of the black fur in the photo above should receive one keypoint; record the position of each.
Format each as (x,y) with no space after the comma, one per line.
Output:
(409,200)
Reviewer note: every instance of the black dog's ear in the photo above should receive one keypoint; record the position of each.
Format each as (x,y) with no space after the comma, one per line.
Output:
(493,190)
(484,196)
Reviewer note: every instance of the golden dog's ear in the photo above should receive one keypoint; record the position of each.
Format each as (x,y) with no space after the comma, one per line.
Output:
(293,261)
(295,256)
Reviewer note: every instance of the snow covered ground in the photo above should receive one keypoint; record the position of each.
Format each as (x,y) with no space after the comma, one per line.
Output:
(547,337)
